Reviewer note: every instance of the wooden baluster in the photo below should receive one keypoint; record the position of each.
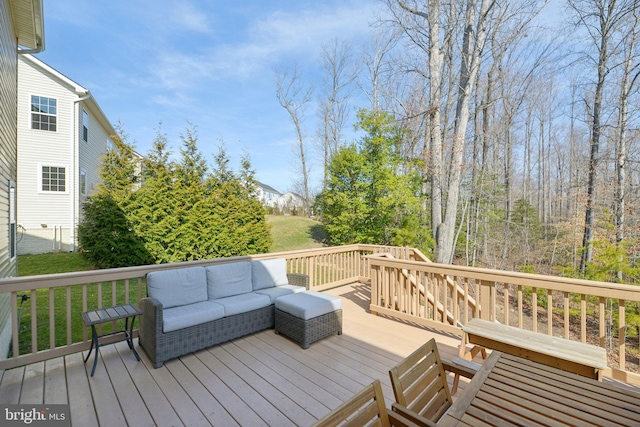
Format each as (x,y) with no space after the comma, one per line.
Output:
(549,312)
(583,318)
(520,314)
(69,330)
(34,322)
(566,315)
(52,320)
(622,333)
(601,320)
(14,324)
(534,309)
(84,308)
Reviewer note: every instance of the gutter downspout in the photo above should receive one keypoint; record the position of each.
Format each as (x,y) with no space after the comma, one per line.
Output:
(75,140)
(38,14)
(38,49)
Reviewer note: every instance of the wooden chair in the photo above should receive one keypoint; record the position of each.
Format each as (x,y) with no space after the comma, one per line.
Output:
(420,385)
(365,408)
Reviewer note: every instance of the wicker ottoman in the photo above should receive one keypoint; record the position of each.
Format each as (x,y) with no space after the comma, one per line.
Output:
(308,316)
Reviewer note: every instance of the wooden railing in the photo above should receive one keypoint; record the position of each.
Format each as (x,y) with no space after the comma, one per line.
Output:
(447,296)
(47,322)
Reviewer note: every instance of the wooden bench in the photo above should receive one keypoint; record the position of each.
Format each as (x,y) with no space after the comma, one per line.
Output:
(583,359)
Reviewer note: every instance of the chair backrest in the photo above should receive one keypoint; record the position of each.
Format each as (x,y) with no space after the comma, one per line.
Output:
(420,383)
(365,408)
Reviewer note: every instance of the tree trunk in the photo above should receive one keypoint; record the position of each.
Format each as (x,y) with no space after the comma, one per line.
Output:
(292,98)
(471,56)
(626,87)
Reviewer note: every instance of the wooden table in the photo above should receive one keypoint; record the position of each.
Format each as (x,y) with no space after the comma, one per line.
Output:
(104,315)
(580,358)
(512,391)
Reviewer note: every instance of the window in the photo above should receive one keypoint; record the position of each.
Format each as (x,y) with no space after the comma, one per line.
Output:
(53,178)
(13,242)
(44,113)
(85,126)
(83,183)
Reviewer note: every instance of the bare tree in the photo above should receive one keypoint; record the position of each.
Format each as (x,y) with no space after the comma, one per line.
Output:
(294,97)
(376,65)
(336,58)
(629,78)
(600,19)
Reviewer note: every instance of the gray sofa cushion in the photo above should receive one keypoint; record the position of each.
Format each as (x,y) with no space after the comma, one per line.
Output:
(191,314)
(226,280)
(243,303)
(178,287)
(309,304)
(267,273)
(279,291)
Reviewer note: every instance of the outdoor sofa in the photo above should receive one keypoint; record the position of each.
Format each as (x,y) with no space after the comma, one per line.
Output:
(189,309)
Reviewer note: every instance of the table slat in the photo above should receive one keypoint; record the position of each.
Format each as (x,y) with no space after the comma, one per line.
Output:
(509,390)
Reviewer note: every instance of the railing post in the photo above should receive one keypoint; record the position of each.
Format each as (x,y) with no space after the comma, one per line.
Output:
(375,288)
(486,292)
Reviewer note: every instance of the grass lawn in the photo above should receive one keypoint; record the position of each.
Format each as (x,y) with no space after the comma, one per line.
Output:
(291,233)
(288,233)
(58,262)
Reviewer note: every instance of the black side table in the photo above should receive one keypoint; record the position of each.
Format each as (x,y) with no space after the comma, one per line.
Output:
(104,315)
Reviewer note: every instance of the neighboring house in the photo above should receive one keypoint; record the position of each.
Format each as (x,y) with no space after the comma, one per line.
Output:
(291,203)
(21,27)
(62,135)
(268,195)
(287,204)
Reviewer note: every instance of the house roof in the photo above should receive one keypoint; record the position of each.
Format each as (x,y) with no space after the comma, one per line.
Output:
(293,194)
(28,23)
(268,188)
(90,103)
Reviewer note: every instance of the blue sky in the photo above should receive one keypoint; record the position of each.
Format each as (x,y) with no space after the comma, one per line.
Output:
(208,62)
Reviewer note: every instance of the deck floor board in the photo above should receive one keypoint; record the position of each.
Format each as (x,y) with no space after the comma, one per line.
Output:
(261,379)
(154,399)
(33,384)
(55,382)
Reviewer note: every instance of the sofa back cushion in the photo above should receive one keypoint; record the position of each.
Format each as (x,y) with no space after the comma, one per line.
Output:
(177,287)
(225,280)
(267,273)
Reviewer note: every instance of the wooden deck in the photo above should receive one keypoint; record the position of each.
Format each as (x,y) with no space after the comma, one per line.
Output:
(261,379)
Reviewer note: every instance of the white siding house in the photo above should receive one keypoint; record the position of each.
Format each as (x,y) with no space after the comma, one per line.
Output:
(291,203)
(21,27)
(269,196)
(288,203)
(62,134)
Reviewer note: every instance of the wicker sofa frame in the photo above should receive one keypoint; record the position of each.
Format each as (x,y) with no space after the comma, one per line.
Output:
(161,346)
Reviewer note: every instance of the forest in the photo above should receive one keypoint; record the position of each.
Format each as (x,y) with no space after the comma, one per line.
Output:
(518,119)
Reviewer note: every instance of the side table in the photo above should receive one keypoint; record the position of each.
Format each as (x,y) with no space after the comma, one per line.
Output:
(104,315)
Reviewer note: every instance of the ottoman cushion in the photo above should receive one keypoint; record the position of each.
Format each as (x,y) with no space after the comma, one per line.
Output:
(309,304)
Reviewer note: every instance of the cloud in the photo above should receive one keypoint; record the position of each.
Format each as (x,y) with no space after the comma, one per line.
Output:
(178,70)
(190,18)
(268,41)
(292,34)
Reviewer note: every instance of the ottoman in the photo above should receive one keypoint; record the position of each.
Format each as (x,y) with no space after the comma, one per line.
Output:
(308,316)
